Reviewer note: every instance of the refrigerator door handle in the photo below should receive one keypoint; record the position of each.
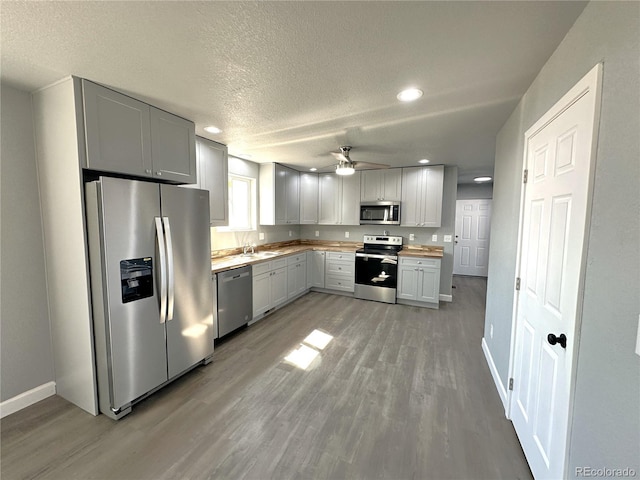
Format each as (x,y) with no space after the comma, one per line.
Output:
(170,270)
(162,268)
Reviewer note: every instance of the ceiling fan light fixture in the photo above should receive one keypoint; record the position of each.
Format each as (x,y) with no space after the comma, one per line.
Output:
(410,94)
(482,179)
(345,170)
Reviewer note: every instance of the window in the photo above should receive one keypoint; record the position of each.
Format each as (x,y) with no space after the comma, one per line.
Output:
(242,204)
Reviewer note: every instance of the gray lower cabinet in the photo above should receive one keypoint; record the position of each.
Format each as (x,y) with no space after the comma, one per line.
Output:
(127,136)
(419,281)
(315,269)
(269,285)
(340,271)
(296,275)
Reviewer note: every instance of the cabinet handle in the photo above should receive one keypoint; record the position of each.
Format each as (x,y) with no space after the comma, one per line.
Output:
(159,174)
(415,269)
(148,170)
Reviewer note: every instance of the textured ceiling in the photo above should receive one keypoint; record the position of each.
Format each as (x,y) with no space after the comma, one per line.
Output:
(291,81)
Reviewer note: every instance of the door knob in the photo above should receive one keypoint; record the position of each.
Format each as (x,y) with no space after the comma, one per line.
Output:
(561,339)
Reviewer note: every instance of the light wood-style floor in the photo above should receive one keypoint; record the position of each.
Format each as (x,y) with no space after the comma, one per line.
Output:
(399,393)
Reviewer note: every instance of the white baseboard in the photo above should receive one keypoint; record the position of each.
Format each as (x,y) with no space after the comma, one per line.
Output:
(446,298)
(494,373)
(27,398)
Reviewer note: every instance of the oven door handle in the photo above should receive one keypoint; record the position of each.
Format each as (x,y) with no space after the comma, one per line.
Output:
(370,255)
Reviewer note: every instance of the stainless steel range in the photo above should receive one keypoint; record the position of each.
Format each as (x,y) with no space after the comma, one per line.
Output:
(377,268)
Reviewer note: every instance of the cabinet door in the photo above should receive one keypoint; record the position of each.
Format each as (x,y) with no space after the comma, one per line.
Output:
(350,200)
(291,280)
(278,287)
(308,198)
(117,131)
(390,184)
(429,285)
(329,185)
(407,282)
(280,194)
(433,184)
(212,163)
(411,197)
(301,278)
(261,293)
(293,196)
(370,186)
(317,266)
(173,147)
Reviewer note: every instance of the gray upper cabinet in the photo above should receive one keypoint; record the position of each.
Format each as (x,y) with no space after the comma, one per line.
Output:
(422,189)
(212,167)
(339,199)
(279,195)
(381,185)
(308,198)
(173,147)
(125,135)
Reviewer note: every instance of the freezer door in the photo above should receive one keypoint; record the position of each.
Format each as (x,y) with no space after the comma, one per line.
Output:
(134,334)
(190,313)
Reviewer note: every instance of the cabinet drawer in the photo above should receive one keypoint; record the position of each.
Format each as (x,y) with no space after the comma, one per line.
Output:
(260,268)
(340,268)
(293,259)
(279,263)
(339,282)
(420,262)
(341,256)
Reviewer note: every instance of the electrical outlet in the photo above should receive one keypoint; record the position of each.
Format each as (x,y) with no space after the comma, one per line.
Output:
(291,233)
(346,234)
(317,233)
(434,237)
(261,236)
(412,236)
(491,331)
(447,238)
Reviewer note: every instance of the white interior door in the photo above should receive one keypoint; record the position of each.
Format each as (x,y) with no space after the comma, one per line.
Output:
(558,157)
(471,251)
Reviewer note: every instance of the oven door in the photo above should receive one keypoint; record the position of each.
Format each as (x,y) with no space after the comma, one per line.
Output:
(376,270)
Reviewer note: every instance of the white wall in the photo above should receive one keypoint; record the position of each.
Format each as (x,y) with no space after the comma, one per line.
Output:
(26,357)
(606,416)
(473,191)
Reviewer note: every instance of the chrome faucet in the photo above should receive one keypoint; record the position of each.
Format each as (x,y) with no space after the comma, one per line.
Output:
(246,247)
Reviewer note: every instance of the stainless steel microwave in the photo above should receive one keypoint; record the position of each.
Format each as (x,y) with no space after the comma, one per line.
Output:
(380,213)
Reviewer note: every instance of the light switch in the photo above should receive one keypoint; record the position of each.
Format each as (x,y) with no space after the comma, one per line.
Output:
(434,237)
(447,238)
(412,236)
(317,233)
(261,236)
(346,234)
(291,233)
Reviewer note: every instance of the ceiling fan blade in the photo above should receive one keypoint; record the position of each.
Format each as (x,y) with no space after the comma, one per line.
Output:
(339,156)
(368,166)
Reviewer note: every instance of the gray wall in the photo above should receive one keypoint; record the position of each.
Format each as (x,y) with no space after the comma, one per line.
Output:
(422,235)
(25,356)
(606,416)
(472,191)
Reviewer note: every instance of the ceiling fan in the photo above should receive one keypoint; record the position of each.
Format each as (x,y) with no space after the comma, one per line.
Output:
(346,166)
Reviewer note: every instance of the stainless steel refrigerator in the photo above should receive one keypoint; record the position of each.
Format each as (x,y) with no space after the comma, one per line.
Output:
(152,297)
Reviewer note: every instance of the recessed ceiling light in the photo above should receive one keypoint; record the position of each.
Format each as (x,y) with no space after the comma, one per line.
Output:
(424,160)
(482,179)
(212,129)
(313,169)
(409,95)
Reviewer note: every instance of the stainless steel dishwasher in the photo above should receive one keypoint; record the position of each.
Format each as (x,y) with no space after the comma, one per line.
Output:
(235,299)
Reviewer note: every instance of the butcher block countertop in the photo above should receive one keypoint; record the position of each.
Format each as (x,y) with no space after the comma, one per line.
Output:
(422,251)
(222,260)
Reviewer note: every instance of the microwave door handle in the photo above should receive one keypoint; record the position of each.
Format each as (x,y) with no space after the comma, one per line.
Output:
(162,260)
(170,269)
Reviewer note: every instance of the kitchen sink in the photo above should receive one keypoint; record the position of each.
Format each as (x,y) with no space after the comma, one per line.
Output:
(260,254)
